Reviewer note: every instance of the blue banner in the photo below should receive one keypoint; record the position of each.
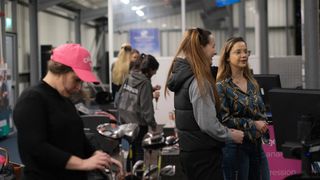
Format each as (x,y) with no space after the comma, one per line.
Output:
(146,40)
(221,3)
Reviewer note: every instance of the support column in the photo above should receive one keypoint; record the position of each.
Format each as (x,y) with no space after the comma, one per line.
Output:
(14,15)
(2,32)
(183,16)
(263,35)
(101,51)
(34,43)
(242,19)
(110,36)
(310,43)
(77,27)
(230,21)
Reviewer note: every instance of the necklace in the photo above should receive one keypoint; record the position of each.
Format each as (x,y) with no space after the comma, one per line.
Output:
(237,81)
(241,83)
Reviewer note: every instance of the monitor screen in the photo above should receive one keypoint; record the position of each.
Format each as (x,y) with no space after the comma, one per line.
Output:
(288,106)
(266,83)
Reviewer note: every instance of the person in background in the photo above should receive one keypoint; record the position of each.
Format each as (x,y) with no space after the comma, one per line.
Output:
(241,108)
(135,101)
(135,54)
(120,68)
(51,139)
(4,99)
(201,135)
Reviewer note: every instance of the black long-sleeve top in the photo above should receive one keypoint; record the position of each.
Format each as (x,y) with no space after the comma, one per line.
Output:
(49,132)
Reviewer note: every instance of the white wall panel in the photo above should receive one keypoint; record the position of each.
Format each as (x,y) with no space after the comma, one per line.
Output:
(54,30)
(164,43)
(290,13)
(250,39)
(193,19)
(118,40)
(276,12)
(88,38)
(277,43)
(175,39)
(23,38)
(250,14)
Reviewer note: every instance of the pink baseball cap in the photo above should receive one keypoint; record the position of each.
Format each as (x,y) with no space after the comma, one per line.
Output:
(76,57)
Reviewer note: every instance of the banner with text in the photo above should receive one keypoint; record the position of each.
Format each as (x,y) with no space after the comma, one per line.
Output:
(279,166)
(146,40)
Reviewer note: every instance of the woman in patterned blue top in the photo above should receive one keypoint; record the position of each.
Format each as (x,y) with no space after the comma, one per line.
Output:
(242,108)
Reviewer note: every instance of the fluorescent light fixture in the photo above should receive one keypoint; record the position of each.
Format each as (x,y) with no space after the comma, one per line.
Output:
(8,23)
(140,13)
(125,1)
(135,8)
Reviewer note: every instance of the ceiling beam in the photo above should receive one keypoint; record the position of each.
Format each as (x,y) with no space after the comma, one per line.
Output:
(44,4)
(88,15)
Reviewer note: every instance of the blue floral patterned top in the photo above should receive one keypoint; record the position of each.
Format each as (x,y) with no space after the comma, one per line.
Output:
(240,109)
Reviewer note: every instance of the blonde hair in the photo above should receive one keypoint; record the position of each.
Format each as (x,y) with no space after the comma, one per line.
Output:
(120,68)
(224,69)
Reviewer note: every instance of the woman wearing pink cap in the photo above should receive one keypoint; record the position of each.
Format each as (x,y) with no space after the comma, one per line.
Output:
(51,140)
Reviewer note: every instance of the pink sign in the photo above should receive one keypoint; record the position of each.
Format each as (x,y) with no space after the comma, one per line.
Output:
(278,165)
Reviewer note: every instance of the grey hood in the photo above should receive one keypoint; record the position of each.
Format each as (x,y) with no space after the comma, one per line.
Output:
(137,78)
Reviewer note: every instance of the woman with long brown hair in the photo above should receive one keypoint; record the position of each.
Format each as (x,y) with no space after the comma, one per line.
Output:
(241,108)
(201,135)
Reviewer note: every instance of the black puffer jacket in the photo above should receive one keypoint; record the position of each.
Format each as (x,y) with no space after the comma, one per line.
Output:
(191,138)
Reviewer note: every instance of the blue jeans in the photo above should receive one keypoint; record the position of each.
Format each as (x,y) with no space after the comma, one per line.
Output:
(265,171)
(245,162)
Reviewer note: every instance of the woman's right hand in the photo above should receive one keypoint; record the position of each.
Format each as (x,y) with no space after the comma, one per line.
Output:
(261,125)
(237,136)
(121,172)
(156,94)
(99,160)
(156,87)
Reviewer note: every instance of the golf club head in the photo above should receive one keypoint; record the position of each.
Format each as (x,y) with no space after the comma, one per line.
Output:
(171,140)
(168,170)
(130,131)
(151,141)
(138,166)
(151,172)
(110,130)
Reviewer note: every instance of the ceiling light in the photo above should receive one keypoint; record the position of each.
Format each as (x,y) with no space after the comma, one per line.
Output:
(125,1)
(149,21)
(135,8)
(140,13)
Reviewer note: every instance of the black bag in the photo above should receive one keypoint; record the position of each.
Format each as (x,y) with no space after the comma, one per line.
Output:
(9,170)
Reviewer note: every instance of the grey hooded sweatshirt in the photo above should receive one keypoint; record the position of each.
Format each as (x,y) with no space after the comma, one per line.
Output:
(135,101)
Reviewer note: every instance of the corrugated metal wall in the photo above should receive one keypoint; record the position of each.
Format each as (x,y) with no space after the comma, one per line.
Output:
(171,33)
(54,30)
